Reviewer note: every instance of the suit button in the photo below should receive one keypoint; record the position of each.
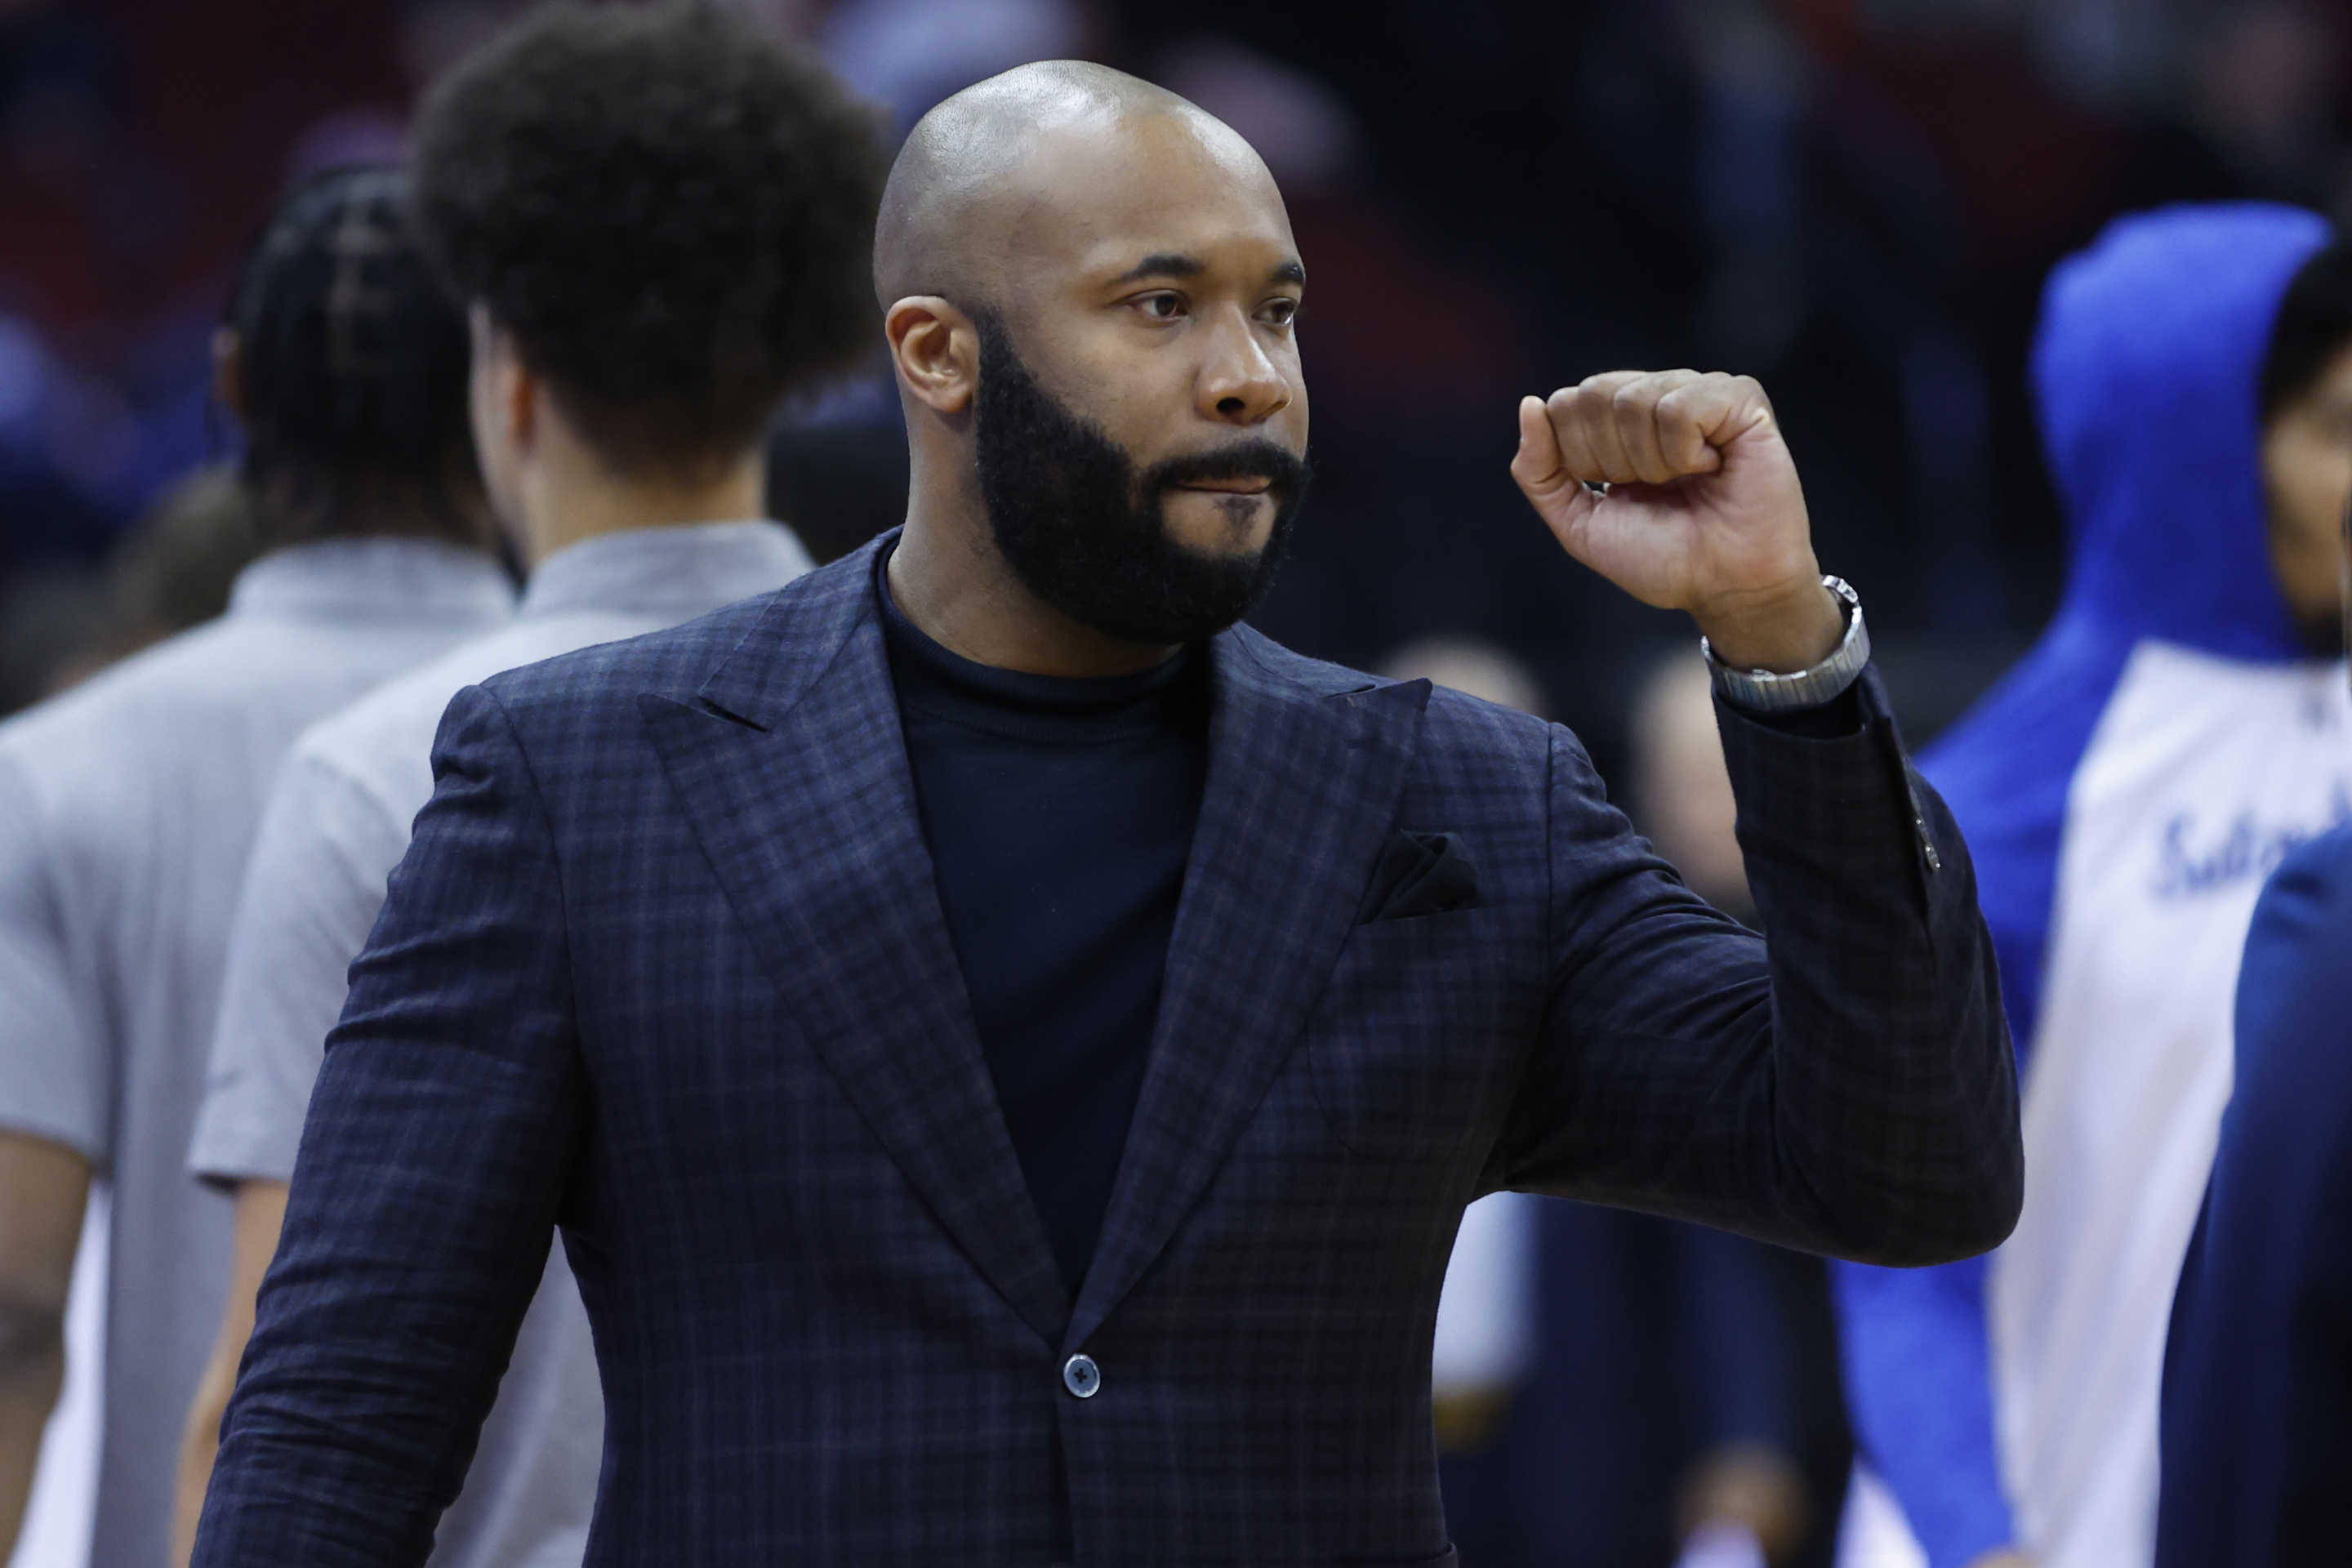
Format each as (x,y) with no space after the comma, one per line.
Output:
(1081,1376)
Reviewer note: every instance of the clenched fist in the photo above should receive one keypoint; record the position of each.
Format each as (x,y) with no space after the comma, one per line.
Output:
(1703,511)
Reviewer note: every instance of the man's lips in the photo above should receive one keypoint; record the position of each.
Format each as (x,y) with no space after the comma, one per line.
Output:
(1253,485)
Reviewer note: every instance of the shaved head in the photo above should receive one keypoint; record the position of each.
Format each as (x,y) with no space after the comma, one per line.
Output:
(1088,286)
(982,170)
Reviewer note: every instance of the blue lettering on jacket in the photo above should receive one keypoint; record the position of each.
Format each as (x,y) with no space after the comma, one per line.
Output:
(2188,865)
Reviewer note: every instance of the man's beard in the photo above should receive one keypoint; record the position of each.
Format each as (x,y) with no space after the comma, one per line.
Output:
(1086,532)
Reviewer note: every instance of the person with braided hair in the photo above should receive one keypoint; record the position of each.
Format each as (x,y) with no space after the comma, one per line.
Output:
(127,806)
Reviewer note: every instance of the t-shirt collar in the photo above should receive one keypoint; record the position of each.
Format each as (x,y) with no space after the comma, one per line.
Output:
(373,579)
(679,570)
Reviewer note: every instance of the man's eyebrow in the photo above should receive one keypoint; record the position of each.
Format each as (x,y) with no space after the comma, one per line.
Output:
(1163,264)
(1175,263)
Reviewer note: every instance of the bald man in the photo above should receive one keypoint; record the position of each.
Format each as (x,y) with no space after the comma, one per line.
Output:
(1006,1047)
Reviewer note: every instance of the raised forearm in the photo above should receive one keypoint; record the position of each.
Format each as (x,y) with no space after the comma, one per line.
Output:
(1865,1103)
(1895,1087)
(1843,1086)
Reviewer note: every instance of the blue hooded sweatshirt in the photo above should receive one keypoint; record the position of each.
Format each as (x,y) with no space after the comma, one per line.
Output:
(2123,791)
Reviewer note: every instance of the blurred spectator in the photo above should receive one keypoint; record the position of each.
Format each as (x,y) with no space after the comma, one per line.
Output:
(1680,789)
(2262,79)
(1470,665)
(126,807)
(53,629)
(172,571)
(908,55)
(2177,729)
(65,438)
(1854,199)
(839,484)
(177,565)
(1614,1389)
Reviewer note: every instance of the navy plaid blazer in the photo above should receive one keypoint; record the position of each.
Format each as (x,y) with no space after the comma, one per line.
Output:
(664,970)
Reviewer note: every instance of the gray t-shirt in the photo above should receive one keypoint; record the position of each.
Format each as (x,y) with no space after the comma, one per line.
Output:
(126,808)
(337,824)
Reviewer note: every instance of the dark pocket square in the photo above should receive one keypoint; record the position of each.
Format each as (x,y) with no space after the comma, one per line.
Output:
(1419,874)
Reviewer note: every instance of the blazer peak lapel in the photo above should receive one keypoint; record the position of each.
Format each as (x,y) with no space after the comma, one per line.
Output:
(1303,785)
(805,806)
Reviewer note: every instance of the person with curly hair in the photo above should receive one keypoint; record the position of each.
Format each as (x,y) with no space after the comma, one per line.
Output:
(658,220)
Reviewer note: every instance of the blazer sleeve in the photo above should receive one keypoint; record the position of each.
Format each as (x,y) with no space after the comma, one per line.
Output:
(432,1167)
(1843,1085)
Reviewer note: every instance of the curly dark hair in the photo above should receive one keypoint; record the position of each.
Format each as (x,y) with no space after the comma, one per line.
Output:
(351,371)
(670,210)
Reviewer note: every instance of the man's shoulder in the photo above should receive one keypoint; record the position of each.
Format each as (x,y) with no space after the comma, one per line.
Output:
(1458,731)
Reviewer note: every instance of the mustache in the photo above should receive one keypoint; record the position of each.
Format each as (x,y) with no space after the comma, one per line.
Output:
(1253,458)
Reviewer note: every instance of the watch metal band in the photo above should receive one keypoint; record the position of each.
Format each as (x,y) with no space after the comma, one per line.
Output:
(1766,691)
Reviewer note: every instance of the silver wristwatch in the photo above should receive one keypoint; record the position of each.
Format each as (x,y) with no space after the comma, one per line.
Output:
(1763,691)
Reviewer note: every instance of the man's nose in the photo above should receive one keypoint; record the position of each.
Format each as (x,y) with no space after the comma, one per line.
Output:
(1240,383)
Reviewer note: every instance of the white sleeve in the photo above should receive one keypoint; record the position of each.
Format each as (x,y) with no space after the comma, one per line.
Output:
(313,890)
(56,1066)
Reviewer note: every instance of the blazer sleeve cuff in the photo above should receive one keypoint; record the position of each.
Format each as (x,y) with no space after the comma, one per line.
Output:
(1851,795)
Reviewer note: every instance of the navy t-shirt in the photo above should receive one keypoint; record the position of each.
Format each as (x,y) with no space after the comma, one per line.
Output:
(1059,813)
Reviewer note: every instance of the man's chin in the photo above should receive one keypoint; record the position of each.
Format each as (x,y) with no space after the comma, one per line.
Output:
(1219,524)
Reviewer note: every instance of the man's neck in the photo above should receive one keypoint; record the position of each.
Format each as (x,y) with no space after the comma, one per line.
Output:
(567,503)
(953,584)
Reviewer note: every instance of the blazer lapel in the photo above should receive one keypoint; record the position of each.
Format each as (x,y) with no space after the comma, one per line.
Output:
(793,771)
(1303,783)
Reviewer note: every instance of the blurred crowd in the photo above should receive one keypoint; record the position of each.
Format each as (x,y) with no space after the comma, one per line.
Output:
(1856,201)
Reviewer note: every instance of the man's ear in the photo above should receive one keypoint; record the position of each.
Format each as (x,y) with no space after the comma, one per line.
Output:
(229,370)
(512,390)
(936,350)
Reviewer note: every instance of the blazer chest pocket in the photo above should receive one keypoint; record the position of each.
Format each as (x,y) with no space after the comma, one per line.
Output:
(1409,1042)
